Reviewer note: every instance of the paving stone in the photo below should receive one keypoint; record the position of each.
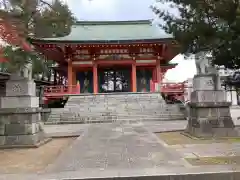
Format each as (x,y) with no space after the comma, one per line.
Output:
(210,150)
(113,146)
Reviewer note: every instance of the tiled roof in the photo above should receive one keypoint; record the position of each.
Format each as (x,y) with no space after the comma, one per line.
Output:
(95,31)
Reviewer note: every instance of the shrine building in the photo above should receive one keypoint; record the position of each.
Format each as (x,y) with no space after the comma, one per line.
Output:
(110,56)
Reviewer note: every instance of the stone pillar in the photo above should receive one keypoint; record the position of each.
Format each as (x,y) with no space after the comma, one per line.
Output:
(209,112)
(95,79)
(20,115)
(134,77)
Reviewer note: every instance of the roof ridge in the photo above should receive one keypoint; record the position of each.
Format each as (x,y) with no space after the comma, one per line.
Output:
(148,21)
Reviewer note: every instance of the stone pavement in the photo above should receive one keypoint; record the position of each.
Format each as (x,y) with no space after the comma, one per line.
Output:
(127,150)
(116,150)
(116,146)
(65,130)
(208,150)
(77,129)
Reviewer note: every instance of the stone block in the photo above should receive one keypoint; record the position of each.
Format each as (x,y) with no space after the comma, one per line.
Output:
(19,102)
(21,128)
(220,132)
(206,82)
(227,122)
(203,83)
(20,88)
(22,140)
(208,119)
(210,112)
(208,96)
(19,118)
(2,129)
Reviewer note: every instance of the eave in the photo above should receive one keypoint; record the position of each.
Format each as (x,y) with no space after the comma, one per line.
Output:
(92,42)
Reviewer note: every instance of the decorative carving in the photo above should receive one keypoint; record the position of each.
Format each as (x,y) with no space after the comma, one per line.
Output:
(81,51)
(146,50)
(204,64)
(16,88)
(113,57)
(209,82)
(27,71)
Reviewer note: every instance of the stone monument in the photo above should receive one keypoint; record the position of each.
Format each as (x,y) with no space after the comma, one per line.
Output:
(209,112)
(20,115)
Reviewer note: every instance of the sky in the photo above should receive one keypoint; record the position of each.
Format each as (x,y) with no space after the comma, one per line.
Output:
(111,9)
(114,10)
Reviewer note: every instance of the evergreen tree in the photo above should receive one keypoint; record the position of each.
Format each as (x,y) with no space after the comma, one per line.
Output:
(209,25)
(35,18)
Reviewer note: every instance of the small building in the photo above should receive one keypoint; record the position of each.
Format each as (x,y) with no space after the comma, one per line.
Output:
(110,56)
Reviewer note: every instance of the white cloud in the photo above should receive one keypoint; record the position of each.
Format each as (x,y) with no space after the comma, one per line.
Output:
(185,69)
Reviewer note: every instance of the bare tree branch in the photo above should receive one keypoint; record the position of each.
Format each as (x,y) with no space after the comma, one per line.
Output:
(46,3)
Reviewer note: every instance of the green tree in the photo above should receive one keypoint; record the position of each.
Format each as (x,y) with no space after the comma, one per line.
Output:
(54,22)
(36,18)
(205,25)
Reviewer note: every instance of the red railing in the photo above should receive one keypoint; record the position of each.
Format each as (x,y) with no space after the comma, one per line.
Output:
(152,86)
(60,90)
(172,87)
(168,87)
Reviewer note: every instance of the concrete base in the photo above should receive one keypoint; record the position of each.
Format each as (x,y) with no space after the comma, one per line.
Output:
(19,102)
(207,120)
(21,127)
(209,112)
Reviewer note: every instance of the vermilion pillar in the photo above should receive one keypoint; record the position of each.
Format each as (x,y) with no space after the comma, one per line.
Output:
(158,71)
(154,75)
(134,78)
(74,79)
(95,79)
(70,75)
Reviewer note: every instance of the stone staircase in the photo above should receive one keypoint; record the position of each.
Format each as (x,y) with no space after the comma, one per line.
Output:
(129,107)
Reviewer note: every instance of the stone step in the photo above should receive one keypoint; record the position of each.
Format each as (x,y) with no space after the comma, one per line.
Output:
(121,117)
(115,107)
(56,117)
(115,114)
(109,120)
(121,106)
